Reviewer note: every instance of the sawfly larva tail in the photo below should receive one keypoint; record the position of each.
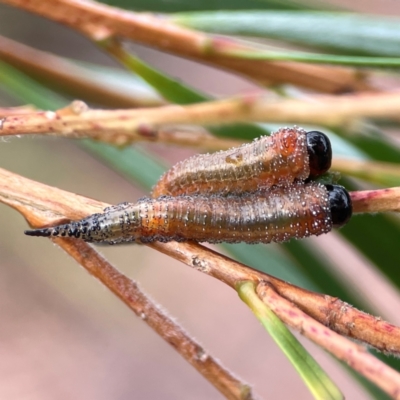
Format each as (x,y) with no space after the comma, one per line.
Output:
(276,215)
(287,155)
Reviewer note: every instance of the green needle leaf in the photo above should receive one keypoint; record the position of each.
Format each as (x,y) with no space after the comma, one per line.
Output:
(22,87)
(139,167)
(194,5)
(176,92)
(346,33)
(319,383)
(375,62)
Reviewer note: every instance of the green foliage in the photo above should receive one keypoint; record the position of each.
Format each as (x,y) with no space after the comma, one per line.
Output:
(200,5)
(315,378)
(344,33)
(373,236)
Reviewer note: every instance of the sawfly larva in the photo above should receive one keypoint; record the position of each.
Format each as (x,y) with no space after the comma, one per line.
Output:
(274,215)
(287,155)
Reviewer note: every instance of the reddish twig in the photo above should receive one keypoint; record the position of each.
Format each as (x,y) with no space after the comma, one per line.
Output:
(31,202)
(376,200)
(100,22)
(35,201)
(70,78)
(352,353)
(129,292)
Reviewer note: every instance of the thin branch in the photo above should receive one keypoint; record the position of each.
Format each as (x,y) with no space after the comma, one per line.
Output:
(69,77)
(330,311)
(370,201)
(189,136)
(124,126)
(184,136)
(61,205)
(45,206)
(316,379)
(129,292)
(101,22)
(353,354)
(75,80)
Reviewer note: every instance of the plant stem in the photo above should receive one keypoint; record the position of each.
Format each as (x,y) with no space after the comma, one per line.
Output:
(48,206)
(99,22)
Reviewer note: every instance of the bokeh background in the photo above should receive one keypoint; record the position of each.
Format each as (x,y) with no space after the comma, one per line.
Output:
(64,336)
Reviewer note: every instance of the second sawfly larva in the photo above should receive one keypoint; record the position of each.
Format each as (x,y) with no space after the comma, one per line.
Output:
(275,215)
(287,155)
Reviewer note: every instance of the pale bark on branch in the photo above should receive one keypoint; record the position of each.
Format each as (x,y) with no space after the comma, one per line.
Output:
(125,126)
(43,206)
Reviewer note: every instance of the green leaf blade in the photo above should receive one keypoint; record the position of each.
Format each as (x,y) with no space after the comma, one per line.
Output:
(200,5)
(346,33)
(318,382)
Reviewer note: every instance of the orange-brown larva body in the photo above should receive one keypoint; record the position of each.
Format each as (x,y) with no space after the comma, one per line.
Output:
(275,215)
(262,217)
(279,159)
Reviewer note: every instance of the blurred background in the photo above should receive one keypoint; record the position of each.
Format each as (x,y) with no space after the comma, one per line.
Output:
(64,336)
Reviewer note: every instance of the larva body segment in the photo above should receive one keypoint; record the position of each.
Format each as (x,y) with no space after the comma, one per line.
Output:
(287,155)
(275,215)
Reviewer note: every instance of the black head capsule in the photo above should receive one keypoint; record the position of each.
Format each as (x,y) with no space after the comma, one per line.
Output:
(340,204)
(319,151)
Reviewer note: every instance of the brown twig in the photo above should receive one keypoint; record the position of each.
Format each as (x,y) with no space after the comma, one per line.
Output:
(352,353)
(191,136)
(124,126)
(45,206)
(69,77)
(100,21)
(129,292)
(330,311)
(75,80)
(62,205)
(376,200)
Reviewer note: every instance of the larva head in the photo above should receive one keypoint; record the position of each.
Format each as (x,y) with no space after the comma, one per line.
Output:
(319,151)
(340,204)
